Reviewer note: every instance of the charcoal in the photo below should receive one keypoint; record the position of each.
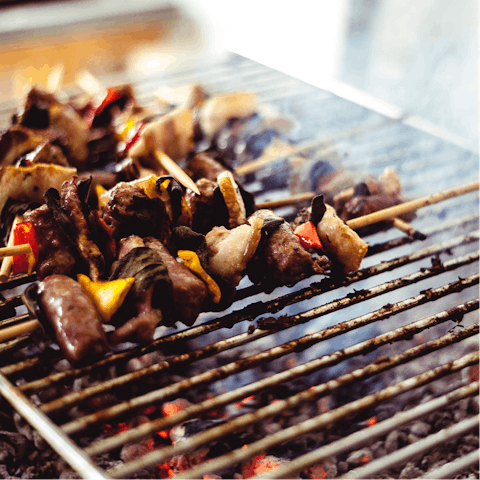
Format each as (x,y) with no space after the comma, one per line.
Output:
(411,471)
(4,473)
(391,442)
(359,457)
(420,429)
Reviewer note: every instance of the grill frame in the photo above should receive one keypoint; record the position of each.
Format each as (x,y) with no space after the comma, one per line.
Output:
(254,76)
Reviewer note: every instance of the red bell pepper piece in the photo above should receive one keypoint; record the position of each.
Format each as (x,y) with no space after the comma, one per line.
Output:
(111,96)
(308,235)
(134,138)
(93,111)
(23,233)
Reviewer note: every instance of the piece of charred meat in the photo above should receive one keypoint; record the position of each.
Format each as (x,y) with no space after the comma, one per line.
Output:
(44,111)
(370,196)
(148,302)
(19,140)
(189,293)
(203,165)
(56,254)
(72,315)
(75,209)
(130,211)
(208,209)
(280,258)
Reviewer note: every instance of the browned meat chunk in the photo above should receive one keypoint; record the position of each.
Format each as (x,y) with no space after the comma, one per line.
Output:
(208,209)
(55,253)
(189,293)
(17,141)
(203,166)
(130,211)
(73,316)
(149,300)
(88,249)
(141,327)
(280,258)
(43,110)
(45,153)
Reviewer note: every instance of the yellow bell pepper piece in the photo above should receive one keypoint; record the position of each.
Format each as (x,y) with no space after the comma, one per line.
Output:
(99,190)
(129,125)
(191,260)
(108,295)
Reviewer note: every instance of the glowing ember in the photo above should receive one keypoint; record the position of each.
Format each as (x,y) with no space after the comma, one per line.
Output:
(171,408)
(317,471)
(261,464)
(372,421)
(163,434)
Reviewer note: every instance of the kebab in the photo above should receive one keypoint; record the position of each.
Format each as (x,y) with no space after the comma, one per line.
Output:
(242,237)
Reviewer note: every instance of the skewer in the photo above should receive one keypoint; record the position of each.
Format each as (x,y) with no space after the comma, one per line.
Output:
(17,330)
(397,210)
(408,229)
(88,83)
(6,267)
(398,223)
(177,172)
(283,202)
(55,77)
(386,213)
(15,250)
(254,165)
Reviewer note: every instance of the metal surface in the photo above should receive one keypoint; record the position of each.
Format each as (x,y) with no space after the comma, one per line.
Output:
(406,289)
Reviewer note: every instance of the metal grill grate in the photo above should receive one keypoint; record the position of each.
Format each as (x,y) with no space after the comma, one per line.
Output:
(389,323)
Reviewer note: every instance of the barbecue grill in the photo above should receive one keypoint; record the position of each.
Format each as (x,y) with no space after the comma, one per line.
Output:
(355,358)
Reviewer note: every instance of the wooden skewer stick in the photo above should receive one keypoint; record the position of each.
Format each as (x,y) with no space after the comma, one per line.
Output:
(283,202)
(15,250)
(177,172)
(88,83)
(397,210)
(408,229)
(386,213)
(6,267)
(398,223)
(55,77)
(17,330)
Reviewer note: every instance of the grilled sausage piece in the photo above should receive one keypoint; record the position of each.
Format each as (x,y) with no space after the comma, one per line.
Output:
(73,316)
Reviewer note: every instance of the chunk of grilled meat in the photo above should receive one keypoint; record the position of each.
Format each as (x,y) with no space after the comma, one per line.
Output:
(89,250)
(189,293)
(72,315)
(130,211)
(280,258)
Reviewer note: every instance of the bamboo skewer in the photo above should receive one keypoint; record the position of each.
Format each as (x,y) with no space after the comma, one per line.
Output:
(404,227)
(6,267)
(55,77)
(283,202)
(397,210)
(385,214)
(177,172)
(15,250)
(20,329)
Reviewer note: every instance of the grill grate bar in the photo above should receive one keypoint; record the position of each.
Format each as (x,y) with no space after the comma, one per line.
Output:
(411,451)
(367,435)
(452,469)
(123,380)
(277,379)
(60,442)
(315,423)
